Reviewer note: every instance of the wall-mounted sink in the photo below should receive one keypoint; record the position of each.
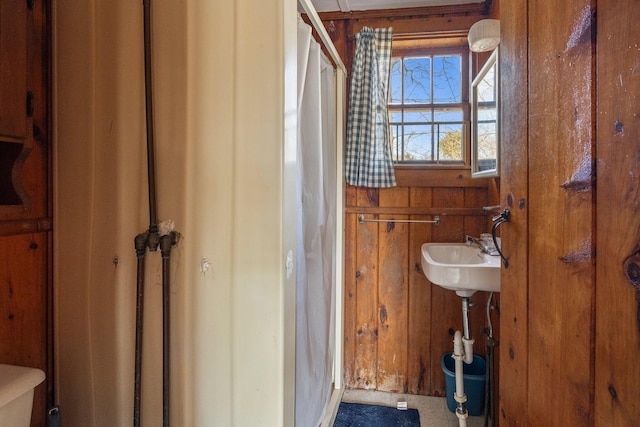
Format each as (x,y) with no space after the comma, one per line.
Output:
(462,268)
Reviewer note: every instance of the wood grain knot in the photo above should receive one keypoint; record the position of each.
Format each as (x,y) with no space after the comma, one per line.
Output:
(632,269)
(632,272)
(522,204)
(618,126)
(372,196)
(576,257)
(383,314)
(613,392)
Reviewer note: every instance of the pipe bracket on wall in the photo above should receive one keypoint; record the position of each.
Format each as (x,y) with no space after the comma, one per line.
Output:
(436,220)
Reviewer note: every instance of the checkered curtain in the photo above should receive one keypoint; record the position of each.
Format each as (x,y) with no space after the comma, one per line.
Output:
(368,161)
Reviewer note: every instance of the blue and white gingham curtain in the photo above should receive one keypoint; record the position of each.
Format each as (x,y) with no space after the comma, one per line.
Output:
(368,161)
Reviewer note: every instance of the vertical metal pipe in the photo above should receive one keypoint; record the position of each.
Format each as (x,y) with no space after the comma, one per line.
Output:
(153,240)
(141,250)
(165,249)
(148,86)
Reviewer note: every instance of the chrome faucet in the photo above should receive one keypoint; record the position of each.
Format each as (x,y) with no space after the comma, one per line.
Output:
(485,243)
(473,241)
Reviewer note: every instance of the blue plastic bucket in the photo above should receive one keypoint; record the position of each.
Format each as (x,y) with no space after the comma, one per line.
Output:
(474,376)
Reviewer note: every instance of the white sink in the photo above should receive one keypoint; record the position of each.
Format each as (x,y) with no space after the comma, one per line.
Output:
(462,268)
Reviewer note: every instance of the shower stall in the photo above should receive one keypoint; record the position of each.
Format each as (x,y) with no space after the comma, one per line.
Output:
(227,164)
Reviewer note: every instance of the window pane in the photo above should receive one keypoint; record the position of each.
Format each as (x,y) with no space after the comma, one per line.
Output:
(450,142)
(417,80)
(487,114)
(418,117)
(395,117)
(448,115)
(487,140)
(446,79)
(418,142)
(395,91)
(486,88)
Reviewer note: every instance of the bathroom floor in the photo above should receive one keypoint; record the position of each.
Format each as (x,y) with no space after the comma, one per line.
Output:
(433,410)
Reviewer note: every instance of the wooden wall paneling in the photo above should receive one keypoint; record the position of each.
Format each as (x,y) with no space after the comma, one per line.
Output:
(617,372)
(34,182)
(393,294)
(451,228)
(476,198)
(350,325)
(350,289)
(23,308)
(439,178)
(407,13)
(514,345)
(419,336)
(402,25)
(26,329)
(446,313)
(446,318)
(474,226)
(336,29)
(13,69)
(366,334)
(494,9)
(15,123)
(24,68)
(561,269)
(350,196)
(39,182)
(493,197)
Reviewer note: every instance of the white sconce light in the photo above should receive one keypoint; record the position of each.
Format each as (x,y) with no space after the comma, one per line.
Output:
(484,35)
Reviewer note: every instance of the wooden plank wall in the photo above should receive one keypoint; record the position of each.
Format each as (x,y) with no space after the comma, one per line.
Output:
(617,340)
(514,187)
(561,220)
(397,325)
(26,297)
(569,327)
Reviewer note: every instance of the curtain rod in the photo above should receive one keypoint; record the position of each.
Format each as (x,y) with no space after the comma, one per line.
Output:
(322,32)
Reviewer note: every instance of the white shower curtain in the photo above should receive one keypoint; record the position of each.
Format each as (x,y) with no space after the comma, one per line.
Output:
(315,274)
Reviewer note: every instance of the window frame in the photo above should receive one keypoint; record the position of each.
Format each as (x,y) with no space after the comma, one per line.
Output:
(426,49)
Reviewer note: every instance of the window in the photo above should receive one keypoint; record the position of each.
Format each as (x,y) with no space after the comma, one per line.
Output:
(428,106)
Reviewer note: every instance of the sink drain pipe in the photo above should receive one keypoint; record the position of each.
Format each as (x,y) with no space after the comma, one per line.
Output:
(462,353)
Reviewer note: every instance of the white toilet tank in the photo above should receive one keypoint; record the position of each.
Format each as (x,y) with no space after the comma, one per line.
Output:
(16,394)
